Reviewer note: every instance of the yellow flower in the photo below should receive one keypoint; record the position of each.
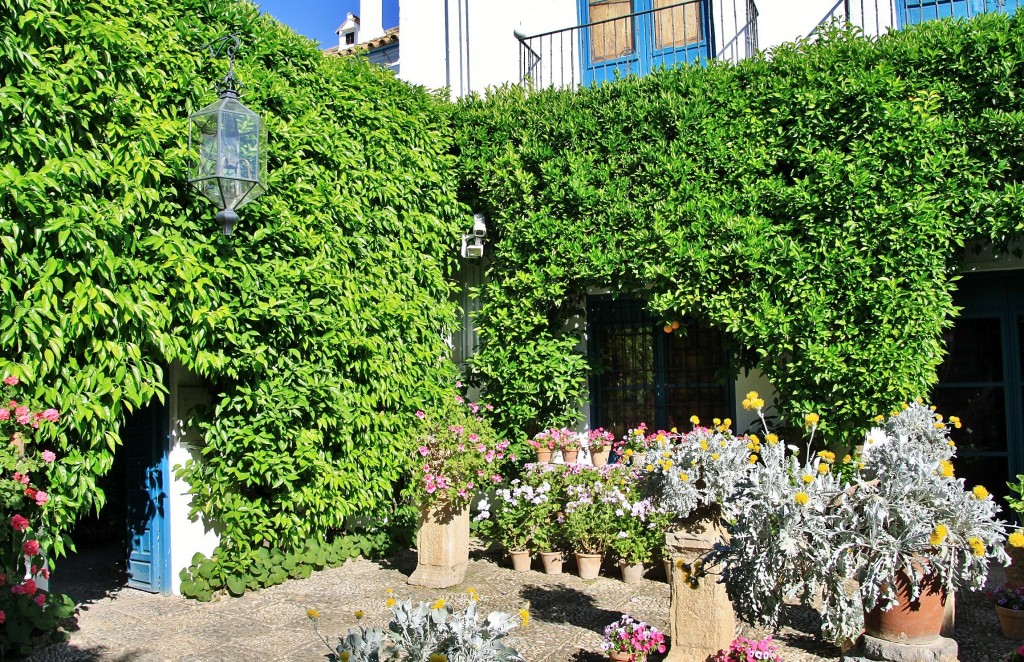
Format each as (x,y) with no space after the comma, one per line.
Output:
(919,400)
(753,459)
(946,469)
(810,420)
(979,492)
(753,395)
(879,418)
(312,613)
(650,467)
(703,445)
(390,602)
(1016,539)
(661,437)
(727,423)
(955,420)
(823,468)
(390,591)
(801,498)
(847,458)
(938,535)
(667,454)
(628,453)
(938,417)
(695,420)
(977,546)
(668,464)
(438,657)
(714,456)
(940,426)
(828,456)
(524,616)
(808,478)
(674,431)
(716,421)
(772,438)
(683,477)
(359,614)
(473,595)
(344,656)
(754,439)
(439,604)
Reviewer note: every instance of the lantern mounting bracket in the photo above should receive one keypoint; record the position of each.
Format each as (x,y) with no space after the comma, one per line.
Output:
(226,46)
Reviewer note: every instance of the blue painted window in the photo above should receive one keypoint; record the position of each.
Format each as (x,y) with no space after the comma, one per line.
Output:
(911,12)
(625,37)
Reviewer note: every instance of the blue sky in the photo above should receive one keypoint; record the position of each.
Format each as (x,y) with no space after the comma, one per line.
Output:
(318,19)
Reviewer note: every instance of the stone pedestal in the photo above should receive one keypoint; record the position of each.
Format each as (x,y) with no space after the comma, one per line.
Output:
(701,621)
(871,649)
(442,547)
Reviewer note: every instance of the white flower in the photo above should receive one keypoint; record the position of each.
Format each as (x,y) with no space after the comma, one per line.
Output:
(623,534)
(875,437)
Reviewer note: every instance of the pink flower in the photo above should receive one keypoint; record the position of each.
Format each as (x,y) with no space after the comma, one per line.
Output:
(473,438)
(420,415)
(462,493)
(46,573)
(489,457)
(20,477)
(469,486)
(462,447)
(40,599)
(496,478)
(48,456)
(474,407)
(11,380)
(19,523)
(50,415)
(22,410)
(459,399)
(25,419)
(41,497)
(481,448)
(5,414)
(458,384)
(31,547)
(3,617)
(424,451)
(26,588)
(431,488)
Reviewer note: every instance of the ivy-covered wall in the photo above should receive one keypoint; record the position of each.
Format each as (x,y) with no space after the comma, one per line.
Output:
(319,324)
(813,203)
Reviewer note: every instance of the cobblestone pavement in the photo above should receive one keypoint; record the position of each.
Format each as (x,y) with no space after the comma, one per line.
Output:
(568,614)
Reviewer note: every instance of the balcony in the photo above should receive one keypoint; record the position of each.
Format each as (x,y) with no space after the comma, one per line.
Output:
(618,41)
(876,17)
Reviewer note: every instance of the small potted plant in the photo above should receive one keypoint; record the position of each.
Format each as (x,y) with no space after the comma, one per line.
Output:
(749,650)
(640,532)
(629,640)
(588,518)
(1009,602)
(544,444)
(515,520)
(599,443)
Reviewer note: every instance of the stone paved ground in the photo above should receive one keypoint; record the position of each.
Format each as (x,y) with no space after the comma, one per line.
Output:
(125,625)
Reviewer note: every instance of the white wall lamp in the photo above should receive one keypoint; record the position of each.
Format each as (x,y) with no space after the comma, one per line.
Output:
(473,243)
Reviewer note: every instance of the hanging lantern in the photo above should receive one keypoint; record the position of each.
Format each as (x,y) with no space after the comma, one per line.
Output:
(229,143)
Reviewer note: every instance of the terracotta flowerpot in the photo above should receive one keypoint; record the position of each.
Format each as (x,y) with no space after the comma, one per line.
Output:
(1015,571)
(632,573)
(1012,622)
(599,456)
(916,622)
(619,656)
(569,455)
(520,560)
(589,565)
(552,562)
(543,455)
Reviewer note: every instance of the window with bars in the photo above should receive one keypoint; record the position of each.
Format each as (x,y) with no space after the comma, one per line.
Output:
(642,374)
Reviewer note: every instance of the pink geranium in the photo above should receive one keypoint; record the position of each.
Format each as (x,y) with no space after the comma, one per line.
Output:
(19,523)
(30,547)
(41,497)
(40,599)
(48,456)
(50,415)
(11,380)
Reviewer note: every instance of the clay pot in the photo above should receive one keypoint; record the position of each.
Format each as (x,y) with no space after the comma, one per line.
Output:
(599,456)
(569,455)
(632,573)
(916,622)
(543,455)
(552,562)
(589,565)
(619,656)
(1012,622)
(520,560)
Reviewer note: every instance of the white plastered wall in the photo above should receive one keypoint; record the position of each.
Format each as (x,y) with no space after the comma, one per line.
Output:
(187,537)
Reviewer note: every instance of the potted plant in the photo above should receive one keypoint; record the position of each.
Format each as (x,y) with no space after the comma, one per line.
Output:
(749,650)
(544,444)
(1009,603)
(629,640)
(639,530)
(457,453)
(895,520)
(599,443)
(589,517)
(548,536)
(514,520)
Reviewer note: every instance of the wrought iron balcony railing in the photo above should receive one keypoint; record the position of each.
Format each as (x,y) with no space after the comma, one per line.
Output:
(876,17)
(619,42)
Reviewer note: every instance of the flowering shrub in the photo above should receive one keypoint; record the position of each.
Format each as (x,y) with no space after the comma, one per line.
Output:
(630,636)
(458,452)
(520,512)
(433,632)
(749,650)
(1007,596)
(27,613)
(698,469)
(800,526)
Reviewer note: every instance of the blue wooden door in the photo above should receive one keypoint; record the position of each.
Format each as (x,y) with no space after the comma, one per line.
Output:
(624,37)
(144,436)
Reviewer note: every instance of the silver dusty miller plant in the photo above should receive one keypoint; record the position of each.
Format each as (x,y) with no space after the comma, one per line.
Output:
(896,508)
(432,632)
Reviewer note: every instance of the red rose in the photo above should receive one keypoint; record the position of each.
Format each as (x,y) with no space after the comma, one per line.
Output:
(19,523)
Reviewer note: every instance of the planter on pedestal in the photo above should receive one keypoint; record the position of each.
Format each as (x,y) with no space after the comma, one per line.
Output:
(552,562)
(589,565)
(632,573)
(442,546)
(520,560)
(706,604)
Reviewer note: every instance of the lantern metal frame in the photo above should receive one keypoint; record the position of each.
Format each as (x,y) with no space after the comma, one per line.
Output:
(228,144)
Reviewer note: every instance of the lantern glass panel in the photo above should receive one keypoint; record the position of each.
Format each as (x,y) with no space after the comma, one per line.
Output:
(229,143)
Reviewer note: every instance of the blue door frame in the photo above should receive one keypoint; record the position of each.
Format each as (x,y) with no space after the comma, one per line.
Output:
(144,436)
(912,12)
(644,56)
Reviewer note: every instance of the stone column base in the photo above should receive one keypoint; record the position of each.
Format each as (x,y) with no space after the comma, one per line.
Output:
(442,547)
(871,649)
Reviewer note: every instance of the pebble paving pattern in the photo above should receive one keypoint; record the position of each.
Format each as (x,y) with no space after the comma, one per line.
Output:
(567,615)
